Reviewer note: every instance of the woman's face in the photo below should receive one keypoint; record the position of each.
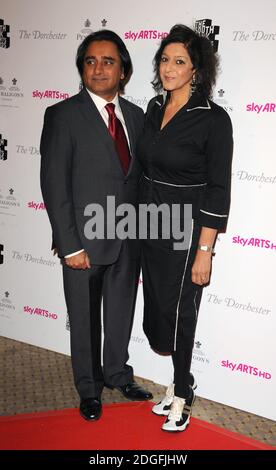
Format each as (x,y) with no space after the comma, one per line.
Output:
(176,69)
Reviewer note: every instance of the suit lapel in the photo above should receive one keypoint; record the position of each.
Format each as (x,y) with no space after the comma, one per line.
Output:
(92,115)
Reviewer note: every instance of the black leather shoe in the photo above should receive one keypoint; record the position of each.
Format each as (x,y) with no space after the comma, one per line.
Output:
(133,391)
(91,408)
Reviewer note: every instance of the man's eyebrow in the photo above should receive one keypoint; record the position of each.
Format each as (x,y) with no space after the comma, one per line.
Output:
(102,57)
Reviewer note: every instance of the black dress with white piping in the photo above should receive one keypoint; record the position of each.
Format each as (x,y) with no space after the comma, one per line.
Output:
(186,162)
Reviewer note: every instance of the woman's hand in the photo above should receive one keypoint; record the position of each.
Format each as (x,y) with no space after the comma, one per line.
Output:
(201,269)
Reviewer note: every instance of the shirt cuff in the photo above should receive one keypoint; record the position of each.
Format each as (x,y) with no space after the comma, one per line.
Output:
(213,220)
(73,254)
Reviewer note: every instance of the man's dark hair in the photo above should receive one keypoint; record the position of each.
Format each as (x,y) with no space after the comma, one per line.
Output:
(106,35)
(201,53)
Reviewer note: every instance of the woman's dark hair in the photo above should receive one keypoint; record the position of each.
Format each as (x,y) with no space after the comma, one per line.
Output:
(201,53)
(106,35)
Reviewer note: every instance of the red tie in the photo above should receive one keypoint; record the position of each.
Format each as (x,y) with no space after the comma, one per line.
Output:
(117,133)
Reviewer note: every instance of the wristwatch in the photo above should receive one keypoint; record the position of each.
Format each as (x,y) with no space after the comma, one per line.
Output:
(206,248)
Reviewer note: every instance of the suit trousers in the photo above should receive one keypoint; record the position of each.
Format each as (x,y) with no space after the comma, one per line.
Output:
(116,285)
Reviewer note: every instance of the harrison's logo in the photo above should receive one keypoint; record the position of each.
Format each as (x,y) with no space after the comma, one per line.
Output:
(220,99)
(6,304)
(7,93)
(4,39)
(199,355)
(1,254)
(205,28)
(8,202)
(2,87)
(3,150)
(87,30)
(14,86)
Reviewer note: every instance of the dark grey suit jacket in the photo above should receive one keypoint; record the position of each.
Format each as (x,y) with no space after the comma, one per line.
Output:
(79,166)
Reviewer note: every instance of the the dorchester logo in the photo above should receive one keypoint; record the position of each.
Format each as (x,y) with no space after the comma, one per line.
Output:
(37,34)
(257,35)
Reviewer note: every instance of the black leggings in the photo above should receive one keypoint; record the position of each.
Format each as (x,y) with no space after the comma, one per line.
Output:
(182,377)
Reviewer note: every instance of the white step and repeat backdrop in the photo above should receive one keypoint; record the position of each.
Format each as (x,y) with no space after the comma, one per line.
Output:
(234,354)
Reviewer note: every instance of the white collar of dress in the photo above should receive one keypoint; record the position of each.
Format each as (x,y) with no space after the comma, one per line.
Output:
(196,101)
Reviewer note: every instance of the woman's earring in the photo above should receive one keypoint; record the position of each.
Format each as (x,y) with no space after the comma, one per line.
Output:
(193,85)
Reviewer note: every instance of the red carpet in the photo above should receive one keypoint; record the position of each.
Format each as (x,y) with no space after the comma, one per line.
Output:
(123,426)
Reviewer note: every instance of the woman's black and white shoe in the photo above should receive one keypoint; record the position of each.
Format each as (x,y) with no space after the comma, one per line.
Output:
(179,416)
(163,407)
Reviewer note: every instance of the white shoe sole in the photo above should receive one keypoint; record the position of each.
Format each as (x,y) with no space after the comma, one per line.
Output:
(178,429)
(160,412)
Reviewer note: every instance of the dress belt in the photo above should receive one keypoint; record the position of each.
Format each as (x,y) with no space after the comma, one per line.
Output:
(175,185)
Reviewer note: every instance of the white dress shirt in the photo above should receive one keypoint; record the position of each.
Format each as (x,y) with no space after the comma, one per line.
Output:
(100,105)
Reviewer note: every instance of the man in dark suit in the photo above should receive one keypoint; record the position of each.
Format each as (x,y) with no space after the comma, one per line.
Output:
(82,163)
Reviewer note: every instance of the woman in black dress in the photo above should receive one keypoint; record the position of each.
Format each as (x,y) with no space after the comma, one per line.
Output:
(186,154)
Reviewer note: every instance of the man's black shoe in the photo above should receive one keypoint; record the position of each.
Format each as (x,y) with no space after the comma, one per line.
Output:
(91,408)
(133,391)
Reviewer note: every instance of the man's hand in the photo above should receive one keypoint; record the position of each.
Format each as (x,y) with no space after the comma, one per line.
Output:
(79,261)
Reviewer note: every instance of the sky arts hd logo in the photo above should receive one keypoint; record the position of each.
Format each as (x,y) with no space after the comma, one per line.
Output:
(39,312)
(206,29)
(145,34)
(4,31)
(50,94)
(245,369)
(261,108)
(3,148)
(254,242)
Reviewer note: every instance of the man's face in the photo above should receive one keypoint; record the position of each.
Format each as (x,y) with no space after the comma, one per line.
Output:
(102,69)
